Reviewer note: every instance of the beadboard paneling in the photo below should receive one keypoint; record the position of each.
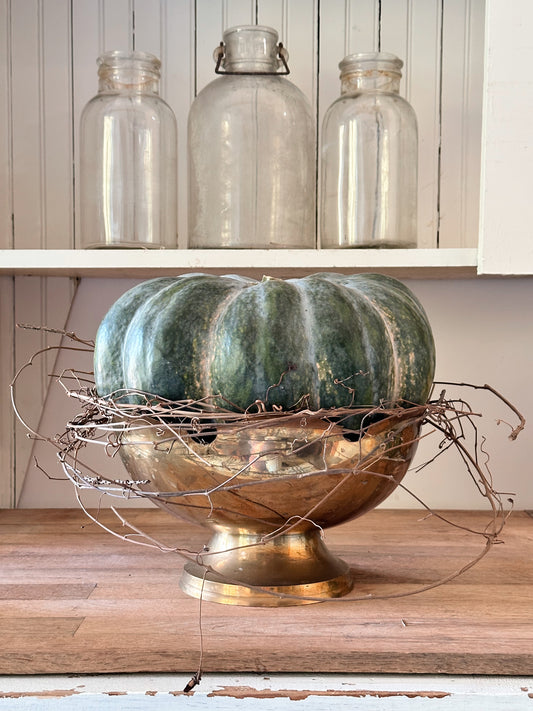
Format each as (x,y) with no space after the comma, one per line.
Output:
(209,25)
(41,113)
(165,28)
(177,82)
(38,301)
(420,50)
(238,12)
(6,413)
(48,72)
(5,127)
(51,74)
(41,185)
(462,65)
(441,45)
(27,121)
(6,283)
(296,22)
(362,26)
(96,28)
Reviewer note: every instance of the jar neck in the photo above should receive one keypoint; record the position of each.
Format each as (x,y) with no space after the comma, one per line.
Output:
(372,71)
(133,72)
(250,49)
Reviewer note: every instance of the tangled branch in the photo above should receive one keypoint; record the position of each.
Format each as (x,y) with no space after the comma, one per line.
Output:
(246,455)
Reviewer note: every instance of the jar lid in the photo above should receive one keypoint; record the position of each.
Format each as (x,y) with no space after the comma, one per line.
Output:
(371,61)
(251,46)
(118,58)
(256,29)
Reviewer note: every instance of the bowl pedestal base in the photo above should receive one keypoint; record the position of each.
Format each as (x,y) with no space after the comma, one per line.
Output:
(253,569)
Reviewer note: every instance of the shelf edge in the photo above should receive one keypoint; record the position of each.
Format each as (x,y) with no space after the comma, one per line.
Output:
(143,263)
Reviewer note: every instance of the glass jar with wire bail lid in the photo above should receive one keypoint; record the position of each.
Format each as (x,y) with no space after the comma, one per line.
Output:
(128,157)
(251,141)
(369,158)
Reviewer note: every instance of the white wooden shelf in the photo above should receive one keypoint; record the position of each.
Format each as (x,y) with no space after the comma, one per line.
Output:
(404,263)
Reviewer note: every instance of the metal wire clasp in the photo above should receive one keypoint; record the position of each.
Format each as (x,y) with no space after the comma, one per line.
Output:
(283,55)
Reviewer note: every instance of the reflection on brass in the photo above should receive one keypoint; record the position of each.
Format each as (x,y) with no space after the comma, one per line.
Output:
(267,491)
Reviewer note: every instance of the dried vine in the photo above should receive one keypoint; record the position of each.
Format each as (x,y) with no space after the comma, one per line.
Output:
(116,420)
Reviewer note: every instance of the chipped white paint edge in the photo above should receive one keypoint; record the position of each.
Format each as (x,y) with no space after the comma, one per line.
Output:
(267,692)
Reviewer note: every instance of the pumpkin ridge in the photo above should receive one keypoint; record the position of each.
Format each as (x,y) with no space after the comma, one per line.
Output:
(308,328)
(405,342)
(352,296)
(412,379)
(109,366)
(209,347)
(395,360)
(129,368)
(156,295)
(396,364)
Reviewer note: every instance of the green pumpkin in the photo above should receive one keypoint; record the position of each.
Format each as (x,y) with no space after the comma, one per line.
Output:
(335,340)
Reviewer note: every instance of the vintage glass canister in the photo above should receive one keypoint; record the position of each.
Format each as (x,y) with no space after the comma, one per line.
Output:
(369,158)
(251,142)
(128,157)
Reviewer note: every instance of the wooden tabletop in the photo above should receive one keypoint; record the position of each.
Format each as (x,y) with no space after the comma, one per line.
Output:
(75,599)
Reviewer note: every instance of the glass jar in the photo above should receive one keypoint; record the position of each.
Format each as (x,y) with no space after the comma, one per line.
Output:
(251,141)
(128,157)
(369,158)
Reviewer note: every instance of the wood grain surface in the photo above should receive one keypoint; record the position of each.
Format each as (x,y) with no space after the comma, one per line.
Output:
(75,599)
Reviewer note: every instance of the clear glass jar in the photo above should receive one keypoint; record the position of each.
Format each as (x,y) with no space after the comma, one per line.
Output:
(251,140)
(128,157)
(369,158)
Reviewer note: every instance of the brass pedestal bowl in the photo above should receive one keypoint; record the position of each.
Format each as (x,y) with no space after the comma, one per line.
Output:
(267,491)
